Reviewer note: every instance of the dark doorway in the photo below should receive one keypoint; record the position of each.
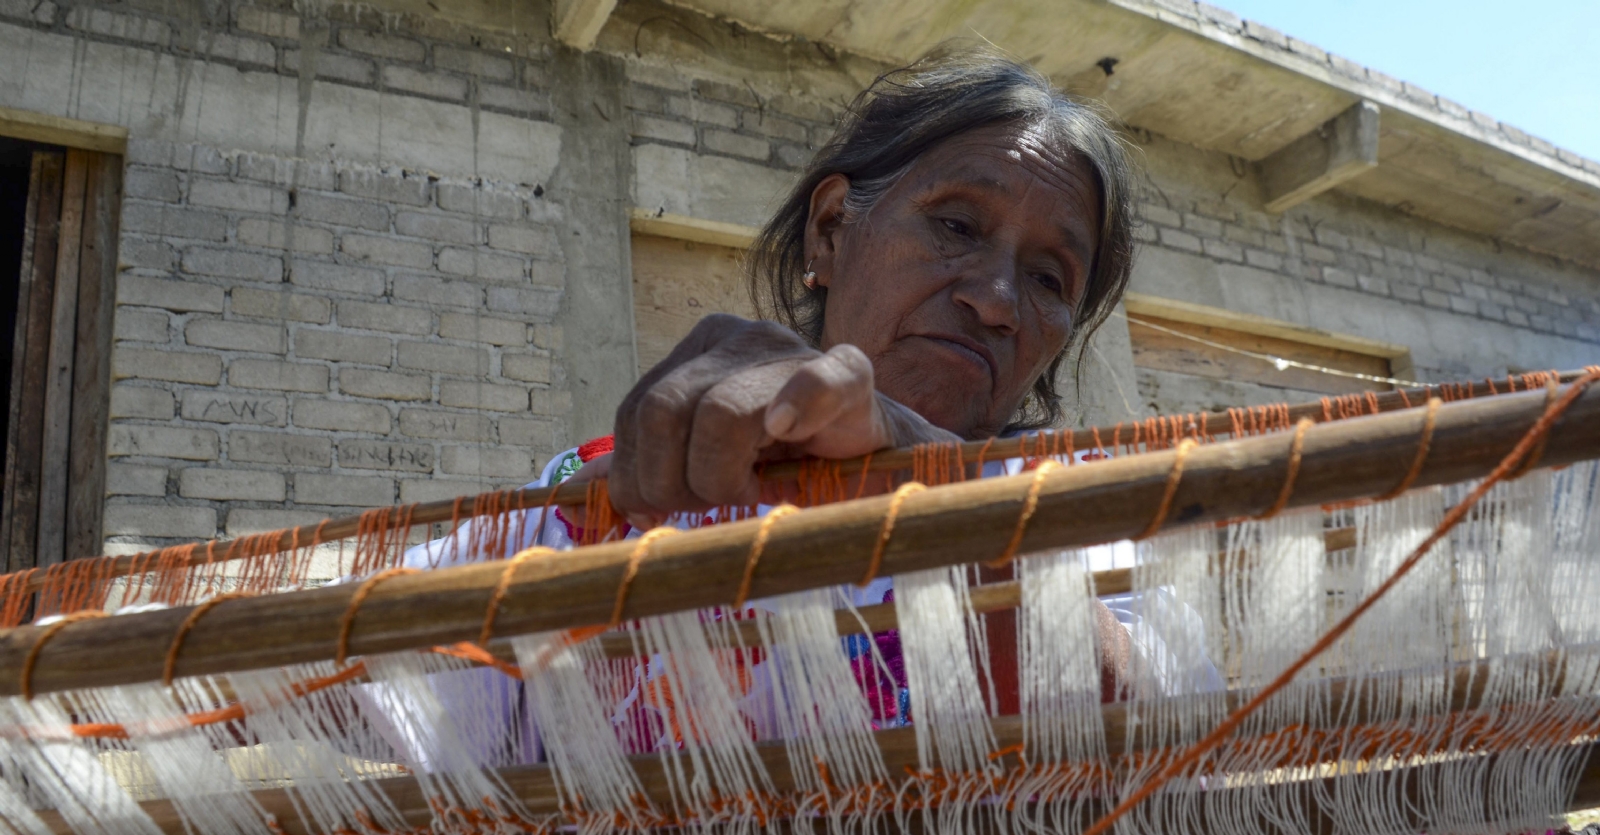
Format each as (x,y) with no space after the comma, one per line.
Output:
(16,160)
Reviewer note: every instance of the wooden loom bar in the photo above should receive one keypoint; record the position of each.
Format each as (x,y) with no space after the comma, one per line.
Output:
(534,785)
(960,523)
(1216,423)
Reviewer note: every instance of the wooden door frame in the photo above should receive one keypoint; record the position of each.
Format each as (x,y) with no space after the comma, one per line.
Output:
(55,475)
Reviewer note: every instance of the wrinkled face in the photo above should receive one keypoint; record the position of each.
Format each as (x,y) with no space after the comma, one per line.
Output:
(962,282)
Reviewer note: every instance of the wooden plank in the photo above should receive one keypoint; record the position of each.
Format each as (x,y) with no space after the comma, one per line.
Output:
(1340,149)
(36,288)
(59,130)
(56,436)
(577,23)
(685,228)
(678,282)
(1161,350)
(1145,305)
(91,376)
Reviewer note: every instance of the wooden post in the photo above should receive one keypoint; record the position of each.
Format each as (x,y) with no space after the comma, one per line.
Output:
(91,375)
(55,440)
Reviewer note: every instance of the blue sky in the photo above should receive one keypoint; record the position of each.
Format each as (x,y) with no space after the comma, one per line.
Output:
(1534,64)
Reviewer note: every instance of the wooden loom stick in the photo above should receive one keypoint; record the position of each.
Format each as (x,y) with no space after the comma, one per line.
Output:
(956,524)
(1211,423)
(535,787)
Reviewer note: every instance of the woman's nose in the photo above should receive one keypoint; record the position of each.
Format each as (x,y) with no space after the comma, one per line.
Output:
(990,290)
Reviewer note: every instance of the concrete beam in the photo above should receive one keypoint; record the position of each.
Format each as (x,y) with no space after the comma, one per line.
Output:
(1343,147)
(577,23)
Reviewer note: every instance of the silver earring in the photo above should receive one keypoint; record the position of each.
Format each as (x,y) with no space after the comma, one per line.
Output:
(810,278)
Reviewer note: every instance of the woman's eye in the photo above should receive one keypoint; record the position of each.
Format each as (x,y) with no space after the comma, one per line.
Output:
(1049,282)
(958,227)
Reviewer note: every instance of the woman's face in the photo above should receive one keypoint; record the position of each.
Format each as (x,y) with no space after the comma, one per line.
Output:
(962,282)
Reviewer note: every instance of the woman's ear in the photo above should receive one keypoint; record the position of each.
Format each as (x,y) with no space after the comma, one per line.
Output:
(825,225)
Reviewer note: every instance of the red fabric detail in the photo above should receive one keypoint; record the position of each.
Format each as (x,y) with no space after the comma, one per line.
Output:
(1001,628)
(591,450)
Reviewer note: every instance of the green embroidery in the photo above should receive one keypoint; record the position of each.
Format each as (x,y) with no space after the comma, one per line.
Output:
(570,464)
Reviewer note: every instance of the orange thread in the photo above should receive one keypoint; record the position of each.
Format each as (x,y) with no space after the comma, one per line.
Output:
(360,597)
(32,658)
(1173,477)
(1552,384)
(503,586)
(171,662)
(1293,470)
(866,470)
(634,559)
(884,532)
(1029,505)
(756,547)
(1423,443)
(1220,734)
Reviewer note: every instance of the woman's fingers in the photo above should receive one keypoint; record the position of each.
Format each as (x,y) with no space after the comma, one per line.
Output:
(829,407)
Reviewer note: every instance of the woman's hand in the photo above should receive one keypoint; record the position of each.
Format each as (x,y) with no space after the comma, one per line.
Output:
(734,393)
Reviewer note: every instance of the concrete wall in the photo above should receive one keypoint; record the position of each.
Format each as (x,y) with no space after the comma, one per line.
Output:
(383,257)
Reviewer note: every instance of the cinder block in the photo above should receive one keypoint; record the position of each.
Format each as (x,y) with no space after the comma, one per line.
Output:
(551,402)
(235,336)
(222,407)
(239,197)
(174,366)
(145,253)
(733,144)
(347,490)
(382,455)
(385,317)
(135,480)
(664,130)
(332,66)
(162,442)
(478,201)
(528,368)
(542,435)
(425,83)
(342,347)
(437,292)
(449,359)
(468,394)
(376,185)
(142,325)
(548,336)
(731,93)
(278,304)
(1180,240)
(382,45)
(181,296)
(221,46)
(279,448)
(438,490)
(160,521)
(548,274)
(437,227)
(271,233)
(1223,250)
(525,238)
(395,251)
(338,278)
(232,263)
(385,385)
(534,302)
(342,211)
(173,222)
(487,462)
(277,376)
(232,485)
(341,416)
(244,521)
(37,12)
(151,184)
(766,123)
(485,329)
(121,26)
(267,22)
(450,426)
(141,402)
(474,63)
(526,102)
(301,174)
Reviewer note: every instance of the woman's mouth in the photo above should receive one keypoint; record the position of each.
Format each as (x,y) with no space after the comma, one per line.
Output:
(968,350)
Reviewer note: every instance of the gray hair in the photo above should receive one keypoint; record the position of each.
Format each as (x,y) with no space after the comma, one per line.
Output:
(902,115)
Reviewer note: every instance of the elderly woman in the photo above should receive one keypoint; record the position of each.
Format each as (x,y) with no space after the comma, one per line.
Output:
(924,280)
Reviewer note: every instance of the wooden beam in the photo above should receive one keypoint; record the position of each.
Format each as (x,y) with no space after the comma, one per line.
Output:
(577,23)
(55,442)
(91,358)
(685,228)
(41,233)
(824,546)
(59,130)
(1343,147)
(1144,304)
